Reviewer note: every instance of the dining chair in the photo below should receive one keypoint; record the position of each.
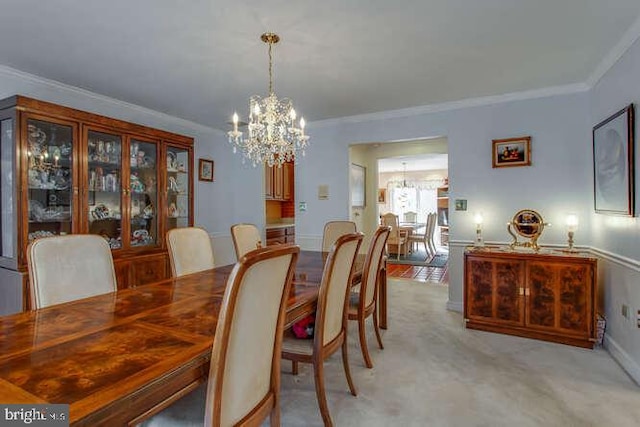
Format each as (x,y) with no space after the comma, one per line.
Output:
(424,237)
(335,229)
(246,237)
(330,329)
(244,374)
(67,268)
(410,217)
(364,303)
(430,232)
(397,237)
(190,250)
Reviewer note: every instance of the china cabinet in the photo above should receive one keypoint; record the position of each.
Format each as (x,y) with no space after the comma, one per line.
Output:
(65,171)
(548,295)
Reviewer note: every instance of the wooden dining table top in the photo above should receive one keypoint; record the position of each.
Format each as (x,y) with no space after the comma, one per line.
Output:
(114,357)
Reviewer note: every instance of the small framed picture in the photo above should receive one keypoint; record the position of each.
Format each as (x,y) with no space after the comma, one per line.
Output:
(512,152)
(205,170)
(382,195)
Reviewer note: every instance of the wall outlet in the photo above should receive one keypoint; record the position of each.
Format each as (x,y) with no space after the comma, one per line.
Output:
(638,319)
(625,311)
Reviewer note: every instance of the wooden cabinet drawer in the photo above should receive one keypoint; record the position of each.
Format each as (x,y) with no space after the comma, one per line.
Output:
(148,270)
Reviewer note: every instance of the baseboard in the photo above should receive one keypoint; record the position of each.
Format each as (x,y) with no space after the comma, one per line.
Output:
(455,306)
(619,355)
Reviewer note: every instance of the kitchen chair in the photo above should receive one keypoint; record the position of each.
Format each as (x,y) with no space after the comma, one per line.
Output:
(244,375)
(431,230)
(330,330)
(190,250)
(335,229)
(426,238)
(365,303)
(397,237)
(410,217)
(246,237)
(67,268)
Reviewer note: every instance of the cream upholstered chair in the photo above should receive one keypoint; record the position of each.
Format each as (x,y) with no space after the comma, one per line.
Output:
(190,250)
(364,303)
(244,375)
(397,237)
(246,237)
(335,229)
(330,331)
(67,268)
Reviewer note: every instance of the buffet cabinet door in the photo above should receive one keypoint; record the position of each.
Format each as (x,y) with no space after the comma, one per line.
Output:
(494,290)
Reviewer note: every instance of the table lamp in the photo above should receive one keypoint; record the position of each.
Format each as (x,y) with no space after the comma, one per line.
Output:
(477,219)
(572,226)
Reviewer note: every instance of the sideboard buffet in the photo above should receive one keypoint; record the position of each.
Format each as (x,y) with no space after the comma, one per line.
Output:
(547,294)
(66,171)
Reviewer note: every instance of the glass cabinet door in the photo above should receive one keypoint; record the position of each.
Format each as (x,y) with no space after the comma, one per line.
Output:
(50,178)
(143,186)
(178,179)
(8,225)
(104,157)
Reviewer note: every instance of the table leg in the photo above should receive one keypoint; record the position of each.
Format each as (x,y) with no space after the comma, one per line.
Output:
(382,295)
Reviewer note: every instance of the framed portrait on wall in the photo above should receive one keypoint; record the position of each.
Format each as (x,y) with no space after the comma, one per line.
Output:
(358,176)
(613,165)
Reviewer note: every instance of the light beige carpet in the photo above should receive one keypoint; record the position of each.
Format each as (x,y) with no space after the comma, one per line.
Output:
(433,372)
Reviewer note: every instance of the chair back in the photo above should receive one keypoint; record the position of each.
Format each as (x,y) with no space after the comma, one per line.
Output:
(335,229)
(246,237)
(432,220)
(391,220)
(244,377)
(331,315)
(368,288)
(410,217)
(67,268)
(190,250)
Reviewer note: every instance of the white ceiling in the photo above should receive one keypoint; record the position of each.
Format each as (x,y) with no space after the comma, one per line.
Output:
(201,59)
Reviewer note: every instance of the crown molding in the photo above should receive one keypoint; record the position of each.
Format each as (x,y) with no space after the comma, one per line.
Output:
(63,87)
(456,105)
(629,37)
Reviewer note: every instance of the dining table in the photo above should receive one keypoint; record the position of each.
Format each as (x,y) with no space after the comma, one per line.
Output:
(118,358)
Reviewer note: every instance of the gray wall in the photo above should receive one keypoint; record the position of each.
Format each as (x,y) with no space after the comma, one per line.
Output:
(617,239)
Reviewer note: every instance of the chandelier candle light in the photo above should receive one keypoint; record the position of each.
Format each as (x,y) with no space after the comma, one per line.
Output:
(273,137)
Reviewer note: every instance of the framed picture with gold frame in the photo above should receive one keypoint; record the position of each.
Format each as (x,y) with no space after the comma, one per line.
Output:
(205,170)
(512,152)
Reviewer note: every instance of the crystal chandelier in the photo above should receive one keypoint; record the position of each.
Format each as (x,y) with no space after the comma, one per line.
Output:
(273,137)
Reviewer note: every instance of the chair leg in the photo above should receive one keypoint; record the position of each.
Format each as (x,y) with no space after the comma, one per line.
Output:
(318,372)
(275,415)
(363,343)
(375,327)
(347,371)
(294,367)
